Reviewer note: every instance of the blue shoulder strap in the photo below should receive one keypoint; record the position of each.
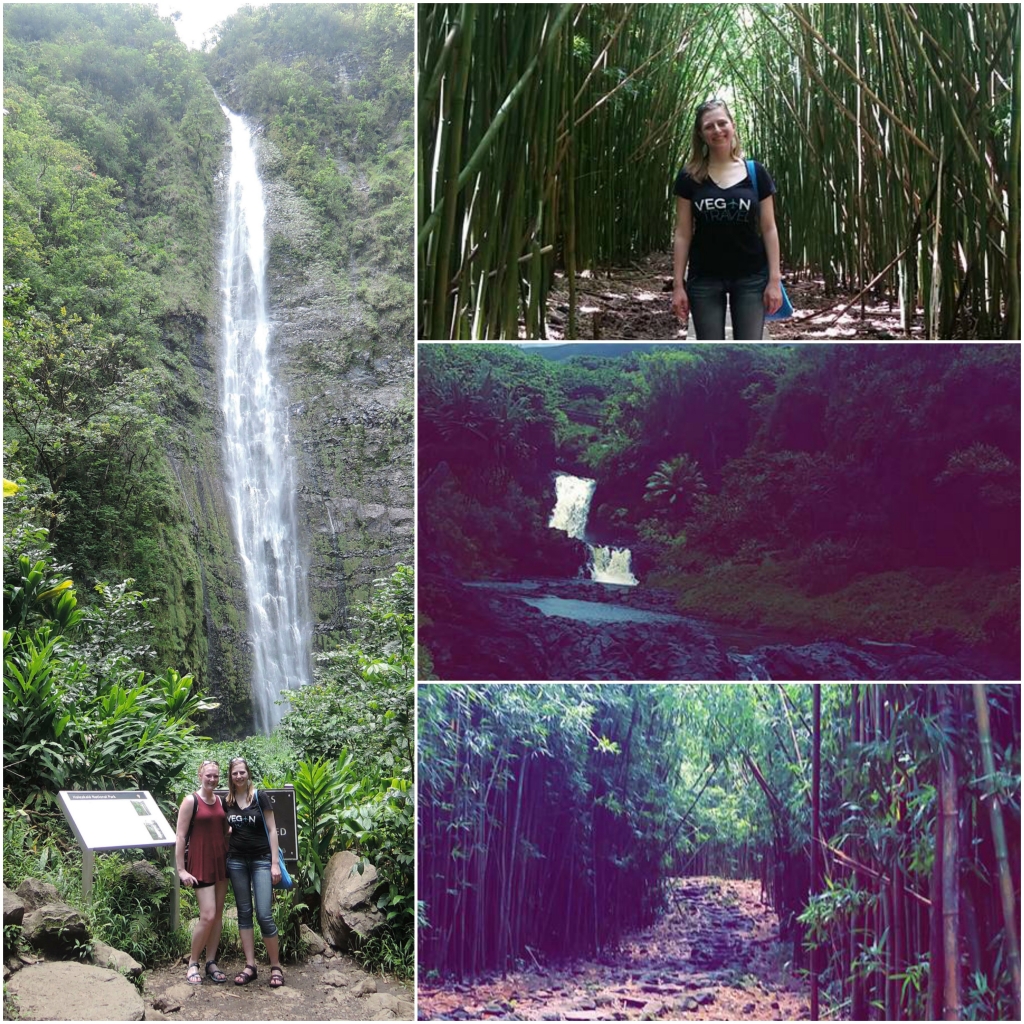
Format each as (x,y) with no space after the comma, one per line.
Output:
(753,177)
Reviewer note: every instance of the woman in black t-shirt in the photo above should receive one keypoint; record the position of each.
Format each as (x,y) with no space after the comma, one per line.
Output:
(253,868)
(725,234)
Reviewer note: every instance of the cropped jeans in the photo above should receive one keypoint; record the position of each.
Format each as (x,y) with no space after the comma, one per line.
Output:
(250,877)
(746,301)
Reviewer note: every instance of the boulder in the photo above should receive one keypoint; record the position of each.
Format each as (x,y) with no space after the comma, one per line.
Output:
(347,912)
(106,956)
(382,1006)
(69,990)
(141,874)
(56,928)
(14,907)
(313,942)
(36,893)
(365,987)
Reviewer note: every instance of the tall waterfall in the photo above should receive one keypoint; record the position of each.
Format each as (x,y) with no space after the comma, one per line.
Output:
(260,477)
(573,495)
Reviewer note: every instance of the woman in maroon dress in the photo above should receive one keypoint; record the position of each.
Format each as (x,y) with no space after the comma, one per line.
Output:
(203,828)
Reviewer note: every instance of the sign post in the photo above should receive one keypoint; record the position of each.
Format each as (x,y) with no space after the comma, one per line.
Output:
(114,820)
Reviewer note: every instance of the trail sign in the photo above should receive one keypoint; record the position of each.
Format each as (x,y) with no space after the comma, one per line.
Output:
(115,820)
(110,820)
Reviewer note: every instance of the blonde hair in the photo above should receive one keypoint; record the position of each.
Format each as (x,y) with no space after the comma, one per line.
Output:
(250,788)
(697,165)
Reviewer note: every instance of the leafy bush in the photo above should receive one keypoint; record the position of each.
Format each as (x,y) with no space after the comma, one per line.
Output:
(131,917)
(362,702)
(79,709)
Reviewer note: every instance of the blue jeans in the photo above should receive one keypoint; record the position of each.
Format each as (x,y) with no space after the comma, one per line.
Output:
(746,301)
(250,877)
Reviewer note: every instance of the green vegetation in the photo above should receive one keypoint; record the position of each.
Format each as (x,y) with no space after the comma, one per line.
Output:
(333,85)
(845,490)
(112,143)
(555,818)
(112,137)
(551,135)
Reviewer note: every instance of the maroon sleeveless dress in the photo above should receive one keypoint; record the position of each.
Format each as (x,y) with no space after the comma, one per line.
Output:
(207,845)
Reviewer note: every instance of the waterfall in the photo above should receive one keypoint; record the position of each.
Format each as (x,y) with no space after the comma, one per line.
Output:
(260,478)
(572,504)
(573,495)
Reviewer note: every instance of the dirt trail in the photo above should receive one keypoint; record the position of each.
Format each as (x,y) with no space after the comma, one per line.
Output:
(335,988)
(634,304)
(713,955)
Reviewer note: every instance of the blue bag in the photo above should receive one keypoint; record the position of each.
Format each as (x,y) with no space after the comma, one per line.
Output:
(785,311)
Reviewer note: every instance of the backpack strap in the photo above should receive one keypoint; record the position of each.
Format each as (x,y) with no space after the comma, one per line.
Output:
(752,171)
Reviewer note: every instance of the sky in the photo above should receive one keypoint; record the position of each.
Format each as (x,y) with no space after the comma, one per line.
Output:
(199,17)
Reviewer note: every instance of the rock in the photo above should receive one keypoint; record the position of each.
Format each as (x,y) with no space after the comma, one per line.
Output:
(381,1001)
(313,942)
(832,660)
(55,927)
(335,979)
(173,998)
(72,991)
(36,893)
(152,1014)
(106,956)
(365,987)
(141,874)
(347,913)
(14,907)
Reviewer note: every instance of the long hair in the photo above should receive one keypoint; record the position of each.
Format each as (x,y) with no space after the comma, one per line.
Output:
(250,788)
(697,165)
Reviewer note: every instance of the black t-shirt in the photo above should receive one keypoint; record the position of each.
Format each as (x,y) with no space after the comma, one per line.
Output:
(726,240)
(248,836)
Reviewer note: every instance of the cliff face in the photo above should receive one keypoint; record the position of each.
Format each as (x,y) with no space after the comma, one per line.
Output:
(351,392)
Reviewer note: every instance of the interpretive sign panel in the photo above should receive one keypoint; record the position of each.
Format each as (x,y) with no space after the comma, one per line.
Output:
(283,802)
(111,820)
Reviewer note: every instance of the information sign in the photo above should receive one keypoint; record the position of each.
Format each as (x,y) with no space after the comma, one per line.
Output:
(110,820)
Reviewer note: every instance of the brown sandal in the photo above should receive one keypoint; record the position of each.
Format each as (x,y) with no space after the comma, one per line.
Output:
(276,977)
(246,974)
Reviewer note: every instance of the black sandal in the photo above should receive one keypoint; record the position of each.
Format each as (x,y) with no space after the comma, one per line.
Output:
(192,975)
(246,974)
(217,976)
(276,977)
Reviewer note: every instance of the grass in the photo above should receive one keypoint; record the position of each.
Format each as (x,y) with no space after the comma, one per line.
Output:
(977,607)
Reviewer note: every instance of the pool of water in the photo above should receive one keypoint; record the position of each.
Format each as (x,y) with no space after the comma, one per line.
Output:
(595,612)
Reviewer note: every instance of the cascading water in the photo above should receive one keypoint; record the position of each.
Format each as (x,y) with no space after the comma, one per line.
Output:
(572,506)
(260,478)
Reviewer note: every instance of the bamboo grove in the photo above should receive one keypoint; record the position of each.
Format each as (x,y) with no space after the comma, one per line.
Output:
(550,135)
(893,131)
(882,820)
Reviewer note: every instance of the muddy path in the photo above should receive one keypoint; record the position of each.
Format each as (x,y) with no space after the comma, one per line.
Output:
(320,988)
(713,955)
(634,304)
